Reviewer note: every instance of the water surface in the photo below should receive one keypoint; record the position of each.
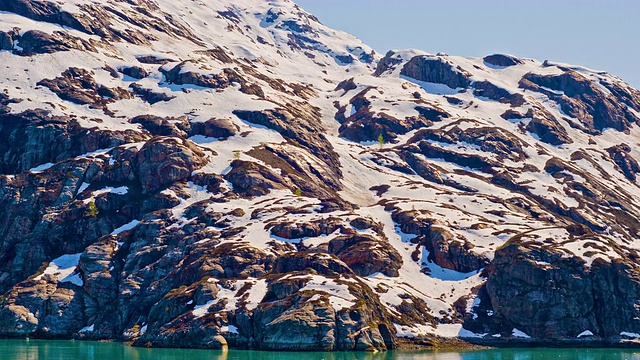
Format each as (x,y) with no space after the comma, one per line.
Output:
(83,350)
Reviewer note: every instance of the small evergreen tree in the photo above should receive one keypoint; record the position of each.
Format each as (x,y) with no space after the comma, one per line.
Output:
(92,211)
(381,140)
(298,192)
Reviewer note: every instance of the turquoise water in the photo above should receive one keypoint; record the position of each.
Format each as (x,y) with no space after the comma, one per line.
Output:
(80,350)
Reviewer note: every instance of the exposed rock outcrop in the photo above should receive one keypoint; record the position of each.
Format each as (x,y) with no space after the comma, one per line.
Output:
(39,42)
(436,70)
(583,100)
(502,60)
(547,295)
(78,86)
(164,161)
(179,76)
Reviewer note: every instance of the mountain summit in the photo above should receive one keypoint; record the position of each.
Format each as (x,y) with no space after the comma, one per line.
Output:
(234,173)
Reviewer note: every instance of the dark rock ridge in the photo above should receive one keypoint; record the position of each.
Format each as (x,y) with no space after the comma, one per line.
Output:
(443,250)
(583,100)
(548,295)
(435,70)
(95,20)
(502,60)
(36,137)
(493,92)
(78,86)
(226,78)
(39,42)
(366,125)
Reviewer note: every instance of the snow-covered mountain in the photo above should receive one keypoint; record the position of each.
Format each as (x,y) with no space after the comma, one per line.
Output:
(211,173)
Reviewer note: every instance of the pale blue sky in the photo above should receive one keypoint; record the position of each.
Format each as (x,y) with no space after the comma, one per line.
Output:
(604,35)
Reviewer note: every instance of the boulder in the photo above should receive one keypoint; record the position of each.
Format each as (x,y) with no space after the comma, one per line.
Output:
(164,161)
(6,40)
(366,255)
(177,75)
(159,126)
(502,60)
(78,86)
(217,128)
(320,263)
(135,72)
(452,254)
(149,95)
(444,250)
(494,92)
(253,179)
(294,230)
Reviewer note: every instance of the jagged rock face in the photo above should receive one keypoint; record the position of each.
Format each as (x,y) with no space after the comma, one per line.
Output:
(547,128)
(161,162)
(36,137)
(135,72)
(38,42)
(550,296)
(583,100)
(78,86)
(365,125)
(236,174)
(435,71)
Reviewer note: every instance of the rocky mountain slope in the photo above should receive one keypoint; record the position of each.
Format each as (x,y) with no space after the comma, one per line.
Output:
(234,173)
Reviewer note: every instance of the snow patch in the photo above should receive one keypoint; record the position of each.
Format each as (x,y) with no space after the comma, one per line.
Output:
(64,269)
(339,295)
(630,334)
(230,329)
(126,227)
(519,334)
(41,168)
(585,333)
(202,310)
(87,329)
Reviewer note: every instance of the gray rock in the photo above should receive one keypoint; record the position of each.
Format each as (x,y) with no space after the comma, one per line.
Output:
(502,60)
(164,161)
(553,297)
(435,70)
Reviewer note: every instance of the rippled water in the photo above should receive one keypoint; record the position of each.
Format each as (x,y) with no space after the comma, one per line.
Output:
(80,350)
